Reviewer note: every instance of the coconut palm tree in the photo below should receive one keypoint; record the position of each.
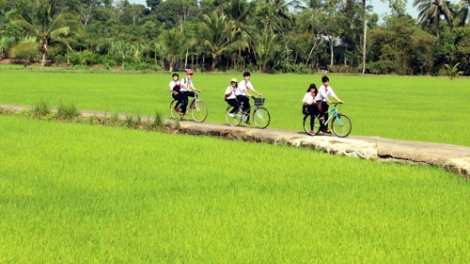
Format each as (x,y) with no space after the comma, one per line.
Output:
(217,35)
(275,15)
(266,50)
(431,11)
(48,27)
(240,13)
(463,14)
(173,41)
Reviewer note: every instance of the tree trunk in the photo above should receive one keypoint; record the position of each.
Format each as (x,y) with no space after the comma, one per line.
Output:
(214,63)
(43,60)
(331,51)
(364,46)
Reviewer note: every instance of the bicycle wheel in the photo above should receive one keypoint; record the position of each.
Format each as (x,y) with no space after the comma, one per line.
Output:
(175,114)
(306,123)
(198,110)
(233,121)
(341,125)
(261,117)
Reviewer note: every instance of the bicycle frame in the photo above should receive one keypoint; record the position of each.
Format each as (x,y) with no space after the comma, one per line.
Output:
(340,123)
(331,114)
(260,115)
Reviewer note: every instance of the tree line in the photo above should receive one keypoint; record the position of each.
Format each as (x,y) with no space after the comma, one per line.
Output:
(300,36)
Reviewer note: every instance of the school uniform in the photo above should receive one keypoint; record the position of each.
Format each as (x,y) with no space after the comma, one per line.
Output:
(232,98)
(309,101)
(323,93)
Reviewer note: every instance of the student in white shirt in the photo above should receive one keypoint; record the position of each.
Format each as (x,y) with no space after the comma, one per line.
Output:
(243,94)
(310,103)
(187,90)
(322,101)
(175,86)
(230,97)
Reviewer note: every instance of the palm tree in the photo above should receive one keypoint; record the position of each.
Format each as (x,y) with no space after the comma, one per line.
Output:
(266,50)
(240,13)
(173,41)
(49,27)
(275,15)
(430,12)
(24,49)
(217,35)
(463,14)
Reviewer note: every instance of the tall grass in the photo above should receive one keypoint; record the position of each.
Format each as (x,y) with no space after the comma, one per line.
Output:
(410,108)
(76,193)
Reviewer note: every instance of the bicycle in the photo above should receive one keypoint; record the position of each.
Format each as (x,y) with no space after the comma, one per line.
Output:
(340,123)
(261,116)
(196,106)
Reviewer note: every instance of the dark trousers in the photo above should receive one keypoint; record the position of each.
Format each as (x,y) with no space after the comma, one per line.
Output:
(323,108)
(312,110)
(185,100)
(178,98)
(246,103)
(234,103)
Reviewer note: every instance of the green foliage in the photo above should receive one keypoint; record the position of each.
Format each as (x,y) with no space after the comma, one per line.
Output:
(158,121)
(67,111)
(267,36)
(42,108)
(452,71)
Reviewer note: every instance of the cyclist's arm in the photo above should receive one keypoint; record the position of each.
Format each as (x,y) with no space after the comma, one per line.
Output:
(192,88)
(337,99)
(256,92)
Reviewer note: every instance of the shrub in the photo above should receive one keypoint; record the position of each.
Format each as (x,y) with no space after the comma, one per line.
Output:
(67,111)
(42,108)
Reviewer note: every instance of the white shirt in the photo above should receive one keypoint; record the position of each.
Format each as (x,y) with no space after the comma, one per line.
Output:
(231,90)
(324,92)
(308,98)
(188,83)
(173,84)
(242,86)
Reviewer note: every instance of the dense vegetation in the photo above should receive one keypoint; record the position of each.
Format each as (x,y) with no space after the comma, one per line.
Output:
(263,35)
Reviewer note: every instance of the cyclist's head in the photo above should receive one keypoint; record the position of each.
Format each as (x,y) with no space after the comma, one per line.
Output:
(245,74)
(325,79)
(189,72)
(234,80)
(175,75)
(312,87)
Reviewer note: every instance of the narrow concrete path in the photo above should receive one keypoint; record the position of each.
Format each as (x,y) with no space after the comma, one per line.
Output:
(451,157)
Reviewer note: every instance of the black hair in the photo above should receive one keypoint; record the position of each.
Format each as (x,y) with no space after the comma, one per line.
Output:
(312,85)
(246,74)
(325,79)
(175,74)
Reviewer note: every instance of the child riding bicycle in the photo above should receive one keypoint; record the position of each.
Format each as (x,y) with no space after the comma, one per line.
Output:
(242,94)
(322,101)
(187,89)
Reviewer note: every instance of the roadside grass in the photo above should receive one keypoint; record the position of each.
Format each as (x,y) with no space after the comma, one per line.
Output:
(426,109)
(94,194)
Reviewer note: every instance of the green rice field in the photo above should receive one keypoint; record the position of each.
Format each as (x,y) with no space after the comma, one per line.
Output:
(426,109)
(75,193)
